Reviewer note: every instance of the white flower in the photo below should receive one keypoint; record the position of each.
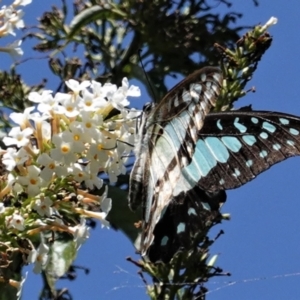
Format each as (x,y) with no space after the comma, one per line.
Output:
(90,122)
(79,137)
(43,206)
(77,172)
(114,168)
(101,92)
(40,257)
(92,179)
(14,17)
(15,221)
(76,87)
(272,21)
(119,98)
(64,151)
(81,233)
(70,105)
(46,102)
(21,2)
(97,215)
(90,102)
(22,119)
(32,180)
(105,203)
(98,152)
(51,167)
(133,91)
(13,49)
(13,158)
(126,142)
(18,137)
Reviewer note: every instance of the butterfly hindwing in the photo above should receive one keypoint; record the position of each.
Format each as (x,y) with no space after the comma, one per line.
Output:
(237,146)
(185,218)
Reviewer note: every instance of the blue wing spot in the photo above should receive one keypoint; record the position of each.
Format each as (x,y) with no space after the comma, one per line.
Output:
(294,131)
(269,127)
(196,87)
(276,146)
(192,211)
(202,162)
(181,227)
(236,173)
(206,206)
(164,241)
(284,121)
(186,96)
(191,173)
(254,120)
(195,95)
(290,143)
(232,143)
(203,77)
(249,163)
(215,88)
(263,153)
(263,135)
(217,149)
(176,101)
(208,94)
(219,125)
(208,84)
(203,158)
(217,77)
(239,126)
(249,139)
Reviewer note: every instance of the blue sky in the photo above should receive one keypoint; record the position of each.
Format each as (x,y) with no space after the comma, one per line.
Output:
(260,247)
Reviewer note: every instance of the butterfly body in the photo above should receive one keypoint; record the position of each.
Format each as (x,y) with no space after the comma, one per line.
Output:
(186,158)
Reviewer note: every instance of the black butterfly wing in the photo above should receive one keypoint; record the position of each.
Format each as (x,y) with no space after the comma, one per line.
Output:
(241,145)
(232,149)
(157,168)
(200,88)
(185,223)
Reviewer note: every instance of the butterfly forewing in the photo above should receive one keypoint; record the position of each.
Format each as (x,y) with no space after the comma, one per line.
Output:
(201,88)
(172,123)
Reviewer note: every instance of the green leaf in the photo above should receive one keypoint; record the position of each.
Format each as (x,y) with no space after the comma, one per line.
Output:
(92,14)
(61,255)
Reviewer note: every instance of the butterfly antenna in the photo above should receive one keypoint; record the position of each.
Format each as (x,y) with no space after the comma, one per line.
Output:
(146,75)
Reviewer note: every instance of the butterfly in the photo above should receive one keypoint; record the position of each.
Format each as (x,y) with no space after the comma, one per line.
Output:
(187,157)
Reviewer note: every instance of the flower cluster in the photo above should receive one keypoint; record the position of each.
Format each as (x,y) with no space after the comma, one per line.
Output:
(11,19)
(55,154)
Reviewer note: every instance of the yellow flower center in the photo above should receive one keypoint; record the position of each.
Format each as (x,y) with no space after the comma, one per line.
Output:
(65,149)
(33,181)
